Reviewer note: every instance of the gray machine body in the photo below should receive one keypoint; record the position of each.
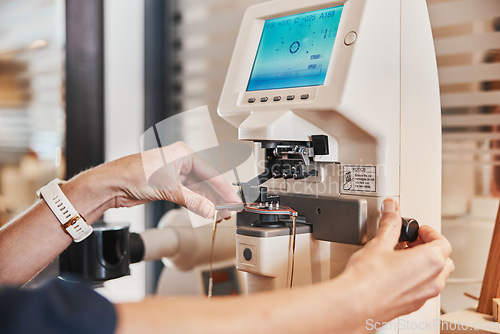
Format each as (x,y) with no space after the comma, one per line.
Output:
(341,220)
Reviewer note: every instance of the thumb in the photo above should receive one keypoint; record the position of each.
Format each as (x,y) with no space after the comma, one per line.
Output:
(197,203)
(390,223)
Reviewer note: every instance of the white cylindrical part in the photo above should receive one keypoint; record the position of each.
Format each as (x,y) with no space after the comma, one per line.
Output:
(195,245)
(160,243)
(185,246)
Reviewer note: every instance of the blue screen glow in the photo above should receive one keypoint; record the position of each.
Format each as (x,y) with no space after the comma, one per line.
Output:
(295,50)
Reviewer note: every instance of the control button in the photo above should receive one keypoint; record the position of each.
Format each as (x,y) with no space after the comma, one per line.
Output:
(304,96)
(277,98)
(251,100)
(350,38)
(409,230)
(290,97)
(247,254)
(263,99)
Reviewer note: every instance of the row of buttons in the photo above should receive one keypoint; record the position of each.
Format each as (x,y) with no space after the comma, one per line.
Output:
(278,98)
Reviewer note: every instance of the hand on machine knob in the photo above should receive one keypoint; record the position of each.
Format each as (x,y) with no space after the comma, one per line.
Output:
(409,230)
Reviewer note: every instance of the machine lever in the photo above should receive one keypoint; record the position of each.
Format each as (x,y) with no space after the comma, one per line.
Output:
(409,230)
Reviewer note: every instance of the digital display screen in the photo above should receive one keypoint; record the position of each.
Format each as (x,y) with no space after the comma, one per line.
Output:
(295,50)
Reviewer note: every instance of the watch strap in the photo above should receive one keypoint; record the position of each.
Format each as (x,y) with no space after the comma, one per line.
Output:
(72,222)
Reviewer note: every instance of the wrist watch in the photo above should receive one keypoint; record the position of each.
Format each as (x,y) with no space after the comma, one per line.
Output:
(71,221)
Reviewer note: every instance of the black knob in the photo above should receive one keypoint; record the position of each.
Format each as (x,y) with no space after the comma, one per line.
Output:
(313,172)
(409,230)
(299,172)
(247,254)
(287,172)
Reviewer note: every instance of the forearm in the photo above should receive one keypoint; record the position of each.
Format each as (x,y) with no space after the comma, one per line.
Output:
(329,307)
(34,239)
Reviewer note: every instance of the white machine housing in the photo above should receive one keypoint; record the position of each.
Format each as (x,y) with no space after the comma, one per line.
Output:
(185,252)
(379,106)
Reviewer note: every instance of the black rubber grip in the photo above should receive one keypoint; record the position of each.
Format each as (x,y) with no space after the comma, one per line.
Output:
(409,230)
(136,248)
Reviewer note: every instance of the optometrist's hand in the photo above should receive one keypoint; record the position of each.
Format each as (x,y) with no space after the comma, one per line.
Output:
(394,282)
(173,173)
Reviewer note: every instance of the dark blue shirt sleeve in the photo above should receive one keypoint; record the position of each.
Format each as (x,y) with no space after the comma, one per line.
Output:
(56,307)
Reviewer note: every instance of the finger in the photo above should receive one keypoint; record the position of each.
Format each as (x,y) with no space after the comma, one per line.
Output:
(201,171)
(422,284)
(207,190)
(430,259)
(217,182)
(223,214)
(415,243)
(196,203)
(428,234)
(425,234)
(449,268)
(436,284)
(390,224)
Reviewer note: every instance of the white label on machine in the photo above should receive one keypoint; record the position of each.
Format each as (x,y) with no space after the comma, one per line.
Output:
(359,178)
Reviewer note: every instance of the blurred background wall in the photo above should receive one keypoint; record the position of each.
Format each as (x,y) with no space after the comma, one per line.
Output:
(467,41)
(32,117)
